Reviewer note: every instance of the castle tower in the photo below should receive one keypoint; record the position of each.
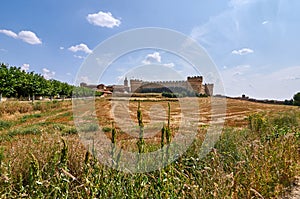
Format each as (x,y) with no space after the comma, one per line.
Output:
(195,83)
(209,89)
(125,82)
(135,85)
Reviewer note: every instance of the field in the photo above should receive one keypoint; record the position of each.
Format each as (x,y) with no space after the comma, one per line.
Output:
(42,155)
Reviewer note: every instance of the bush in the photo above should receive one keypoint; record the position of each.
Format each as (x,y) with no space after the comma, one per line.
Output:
(297,99)
(257,122)
(106,129)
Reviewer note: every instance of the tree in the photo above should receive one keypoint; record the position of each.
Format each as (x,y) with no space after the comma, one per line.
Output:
(15,82)
(7,81)
(297,99)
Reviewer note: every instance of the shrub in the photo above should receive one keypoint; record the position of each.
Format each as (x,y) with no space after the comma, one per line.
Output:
(106,129)
(257,122)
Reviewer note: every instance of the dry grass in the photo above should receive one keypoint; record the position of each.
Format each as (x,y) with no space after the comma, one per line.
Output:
(257,156)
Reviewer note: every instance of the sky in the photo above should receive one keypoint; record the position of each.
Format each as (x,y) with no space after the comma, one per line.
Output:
(254,44)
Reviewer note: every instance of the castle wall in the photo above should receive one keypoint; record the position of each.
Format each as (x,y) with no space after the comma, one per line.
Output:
(192,83)
(182,84)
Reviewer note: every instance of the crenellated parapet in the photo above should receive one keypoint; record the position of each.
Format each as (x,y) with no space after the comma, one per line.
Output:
(194,83)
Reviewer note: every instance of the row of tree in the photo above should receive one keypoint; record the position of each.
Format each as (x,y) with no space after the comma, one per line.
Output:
(18,83)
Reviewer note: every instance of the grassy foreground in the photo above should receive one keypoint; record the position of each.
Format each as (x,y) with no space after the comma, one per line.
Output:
(41,157)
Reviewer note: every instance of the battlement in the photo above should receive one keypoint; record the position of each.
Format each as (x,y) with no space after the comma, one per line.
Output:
(195,78)
(193,83)
(167,82)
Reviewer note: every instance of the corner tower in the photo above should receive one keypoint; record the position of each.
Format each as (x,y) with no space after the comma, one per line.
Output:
(195,83)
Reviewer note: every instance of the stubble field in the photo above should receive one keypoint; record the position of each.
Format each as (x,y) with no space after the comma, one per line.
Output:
(41,154)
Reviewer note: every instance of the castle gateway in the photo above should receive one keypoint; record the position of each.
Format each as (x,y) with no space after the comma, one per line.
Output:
(192,84)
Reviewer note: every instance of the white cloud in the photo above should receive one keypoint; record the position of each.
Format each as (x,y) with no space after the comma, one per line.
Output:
(29,37)
(244,79)
(48,74)
(9,33)
(265,22)
(103,19)
(79,57)
(25,67)
(243,51)
(81,47)
(26,36)
(170,65)
(152,58)
(226,28)
(61,48)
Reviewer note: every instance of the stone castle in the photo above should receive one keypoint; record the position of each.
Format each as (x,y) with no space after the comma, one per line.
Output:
(194,84)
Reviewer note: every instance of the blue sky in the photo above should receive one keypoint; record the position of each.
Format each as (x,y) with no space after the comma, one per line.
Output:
(254,43)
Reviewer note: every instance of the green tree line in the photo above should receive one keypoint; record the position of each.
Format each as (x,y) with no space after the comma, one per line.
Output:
(20,84)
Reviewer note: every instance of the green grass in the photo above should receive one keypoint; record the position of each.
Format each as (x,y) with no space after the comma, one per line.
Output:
(5,124)
(26,117)
(261,160)
(33,130)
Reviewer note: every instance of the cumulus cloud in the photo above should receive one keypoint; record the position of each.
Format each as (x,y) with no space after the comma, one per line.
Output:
(81,47)
(29,37)
(25,67)
(243,51)
(48,74)
(265,22)
(9,33)
(103,19)
(25,35)
(61,48)
(152,58)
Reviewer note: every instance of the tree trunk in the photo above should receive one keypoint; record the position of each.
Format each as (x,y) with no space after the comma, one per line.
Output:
(33,97)
(0,97)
